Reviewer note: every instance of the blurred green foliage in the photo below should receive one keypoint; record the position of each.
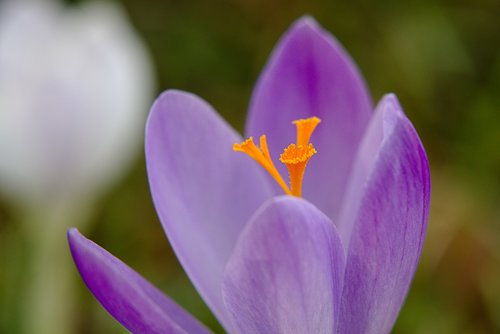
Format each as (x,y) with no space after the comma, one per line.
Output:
(442,59)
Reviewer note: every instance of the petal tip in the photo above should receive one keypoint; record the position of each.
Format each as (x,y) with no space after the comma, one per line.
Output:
(168,102)
(392,112)
(72,231)
(167,96)
(169,93)
(393,98)
(73,236)
(390,97)
(306,21)
(278,201)
(79,245)
(308,26)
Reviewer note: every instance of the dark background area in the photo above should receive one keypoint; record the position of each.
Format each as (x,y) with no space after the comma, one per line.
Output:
(442,59)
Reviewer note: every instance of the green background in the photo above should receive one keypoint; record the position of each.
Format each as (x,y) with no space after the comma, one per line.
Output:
(442,59)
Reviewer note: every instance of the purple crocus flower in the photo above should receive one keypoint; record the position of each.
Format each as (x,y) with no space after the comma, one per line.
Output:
(337,259)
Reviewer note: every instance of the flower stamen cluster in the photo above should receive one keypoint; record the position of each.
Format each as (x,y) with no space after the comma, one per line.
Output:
(262,156)
(295,156)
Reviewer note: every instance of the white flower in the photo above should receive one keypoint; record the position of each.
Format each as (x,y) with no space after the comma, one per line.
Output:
(75,87)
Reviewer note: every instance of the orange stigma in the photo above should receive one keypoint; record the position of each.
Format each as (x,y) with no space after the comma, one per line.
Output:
(295,156)
(305,128)
(262,156)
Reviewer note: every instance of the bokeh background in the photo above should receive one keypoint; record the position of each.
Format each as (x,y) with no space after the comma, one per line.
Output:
(442,59)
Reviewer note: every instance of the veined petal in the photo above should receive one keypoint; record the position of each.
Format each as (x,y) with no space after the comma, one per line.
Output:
(127,296)
(203,192)
(385,221)
(310,74)
(285,275)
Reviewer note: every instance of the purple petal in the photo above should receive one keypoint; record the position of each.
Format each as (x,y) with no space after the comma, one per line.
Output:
(386,233)
(285,275)
(128,297)
(309,73)
(204,192)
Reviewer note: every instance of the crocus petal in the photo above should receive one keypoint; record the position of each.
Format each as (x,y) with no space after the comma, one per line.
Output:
(126,295)
(310,74)
(387,233)
(204,192)
(285,275)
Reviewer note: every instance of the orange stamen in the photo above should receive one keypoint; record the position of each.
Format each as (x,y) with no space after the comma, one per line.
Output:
(262,156)
(305,128)
(296,157)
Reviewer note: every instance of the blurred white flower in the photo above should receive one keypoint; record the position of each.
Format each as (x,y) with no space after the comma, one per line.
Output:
(75,87)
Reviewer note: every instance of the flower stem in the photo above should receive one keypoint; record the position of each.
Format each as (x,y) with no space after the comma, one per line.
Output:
(48,305)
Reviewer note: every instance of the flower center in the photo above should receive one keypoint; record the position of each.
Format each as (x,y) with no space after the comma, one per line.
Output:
(295,156)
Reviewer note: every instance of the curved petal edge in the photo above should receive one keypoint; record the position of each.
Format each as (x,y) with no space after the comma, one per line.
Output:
(203,192)
(310,74)
(385,238)
(285,275)
(128,297)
